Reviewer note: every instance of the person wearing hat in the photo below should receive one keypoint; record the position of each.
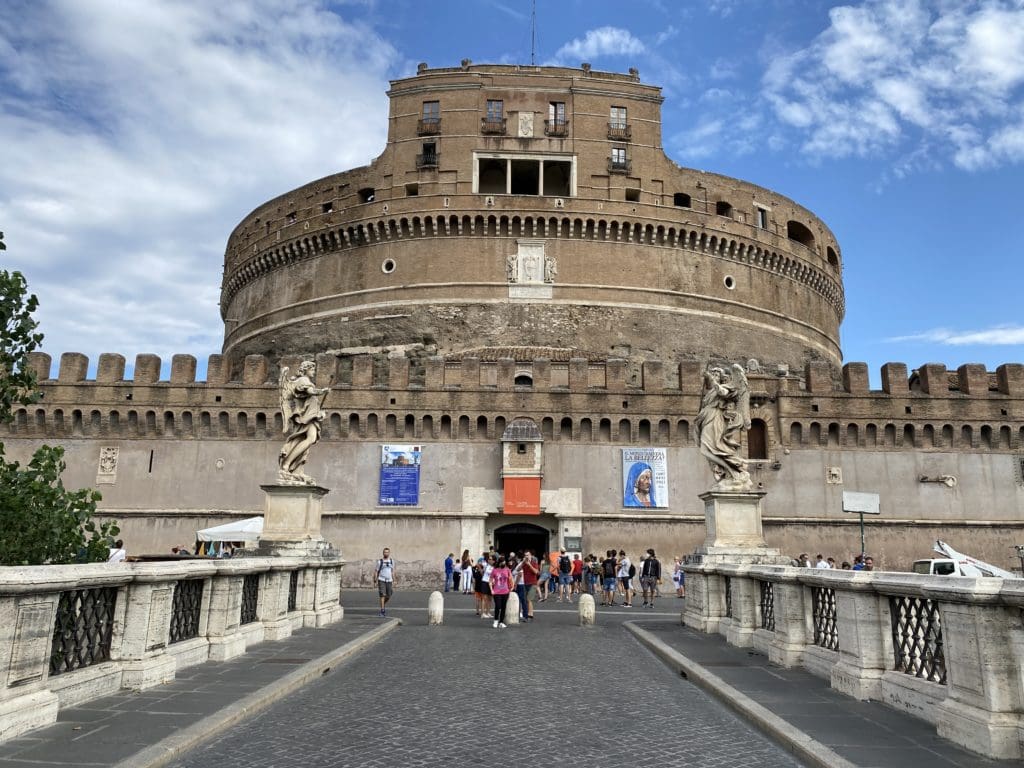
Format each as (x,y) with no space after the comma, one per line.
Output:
(650,578)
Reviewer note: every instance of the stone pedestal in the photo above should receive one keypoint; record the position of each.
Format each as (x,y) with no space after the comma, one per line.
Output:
(291,522)
(732,520)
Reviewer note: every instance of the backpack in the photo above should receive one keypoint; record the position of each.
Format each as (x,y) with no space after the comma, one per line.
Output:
(632,570)
(564,564)
(609,569)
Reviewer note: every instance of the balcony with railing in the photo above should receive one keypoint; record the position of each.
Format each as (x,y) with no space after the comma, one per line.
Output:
(428,126)
(619,166)
(493,125)
(556,127)
(428,160)
(620,132)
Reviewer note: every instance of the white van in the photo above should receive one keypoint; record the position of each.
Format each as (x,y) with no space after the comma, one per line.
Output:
(944,567)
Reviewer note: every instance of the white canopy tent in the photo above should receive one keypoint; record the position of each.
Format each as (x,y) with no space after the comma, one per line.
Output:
(248,529)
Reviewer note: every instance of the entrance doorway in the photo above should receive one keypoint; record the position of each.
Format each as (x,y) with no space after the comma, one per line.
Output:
(518,537)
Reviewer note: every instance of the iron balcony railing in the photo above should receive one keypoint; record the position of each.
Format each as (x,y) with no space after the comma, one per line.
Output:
(427,160)
(917,638)
(619,166)
(556,127)
(620,132)
(428,126)
(493,125)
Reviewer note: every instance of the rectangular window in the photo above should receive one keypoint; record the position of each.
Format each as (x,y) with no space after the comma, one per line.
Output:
(556,112)
(618,156)
(762,218)
(617,118)
(430,123)
(495,110)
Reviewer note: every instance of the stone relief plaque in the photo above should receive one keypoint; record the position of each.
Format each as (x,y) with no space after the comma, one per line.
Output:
(33,633)
(525,125)
(106,472)
(159,618)
(530,271)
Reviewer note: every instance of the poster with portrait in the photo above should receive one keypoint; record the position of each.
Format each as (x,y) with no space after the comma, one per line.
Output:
(399,475)
(645,477)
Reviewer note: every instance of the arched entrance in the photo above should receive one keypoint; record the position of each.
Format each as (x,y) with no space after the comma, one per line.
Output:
(518,537)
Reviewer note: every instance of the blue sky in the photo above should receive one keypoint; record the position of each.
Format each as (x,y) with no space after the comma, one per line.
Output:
(134,136)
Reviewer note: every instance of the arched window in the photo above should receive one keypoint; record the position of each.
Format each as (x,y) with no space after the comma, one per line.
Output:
(799,232)
(565,429)
(523,380)
(722,208)
(681,200)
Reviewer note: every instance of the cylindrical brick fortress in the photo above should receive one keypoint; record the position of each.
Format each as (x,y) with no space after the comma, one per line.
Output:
(532,207)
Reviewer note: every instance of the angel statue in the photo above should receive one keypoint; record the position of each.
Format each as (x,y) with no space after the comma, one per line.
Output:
(302,409)
(724,414)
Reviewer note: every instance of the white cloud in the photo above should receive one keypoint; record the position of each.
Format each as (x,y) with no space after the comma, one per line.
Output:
(1001,335)
(605,41)
(888,73)
(136,135)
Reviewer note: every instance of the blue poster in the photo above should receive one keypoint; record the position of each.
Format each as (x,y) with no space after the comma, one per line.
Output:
(399,475)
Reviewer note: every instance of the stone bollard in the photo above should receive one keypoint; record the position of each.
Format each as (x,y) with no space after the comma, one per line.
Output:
(512,609)
(435,609)
(588,614)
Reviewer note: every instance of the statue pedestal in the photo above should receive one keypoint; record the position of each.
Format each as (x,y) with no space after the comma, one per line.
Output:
(291,522)
(734,532)
(734,535)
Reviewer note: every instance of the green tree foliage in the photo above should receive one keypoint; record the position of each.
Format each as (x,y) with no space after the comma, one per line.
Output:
(40,520)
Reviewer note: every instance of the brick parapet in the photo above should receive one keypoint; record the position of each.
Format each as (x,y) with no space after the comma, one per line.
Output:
(985,416)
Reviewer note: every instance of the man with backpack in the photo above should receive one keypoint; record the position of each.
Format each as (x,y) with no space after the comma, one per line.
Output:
(564,577)
(385,579)
(608,566)
(650,578)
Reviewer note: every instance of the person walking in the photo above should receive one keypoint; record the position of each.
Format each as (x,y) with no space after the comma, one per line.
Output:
(650,576)
(564,577)
(679,577)
(531,574)
(501,585)
(626,574)
(542,579)
(449,571)
(385,580)
(488,595)
(467,573)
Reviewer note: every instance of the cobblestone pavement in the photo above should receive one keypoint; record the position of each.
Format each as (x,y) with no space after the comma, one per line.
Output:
(545,691)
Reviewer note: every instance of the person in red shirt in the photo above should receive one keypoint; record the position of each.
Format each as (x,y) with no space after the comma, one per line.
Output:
(531,575)
(577,575)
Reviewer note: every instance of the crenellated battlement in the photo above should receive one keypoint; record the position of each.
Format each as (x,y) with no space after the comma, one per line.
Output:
(380,396)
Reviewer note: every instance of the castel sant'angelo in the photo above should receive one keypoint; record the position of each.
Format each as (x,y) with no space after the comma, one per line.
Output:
(519,297)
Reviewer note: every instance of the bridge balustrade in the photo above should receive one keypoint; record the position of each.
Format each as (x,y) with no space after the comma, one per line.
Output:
(946,649)
(73,633)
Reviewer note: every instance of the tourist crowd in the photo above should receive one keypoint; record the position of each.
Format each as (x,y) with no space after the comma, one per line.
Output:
(559,576)
(860,562)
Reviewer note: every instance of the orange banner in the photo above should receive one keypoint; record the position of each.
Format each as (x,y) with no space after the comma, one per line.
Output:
(522,495)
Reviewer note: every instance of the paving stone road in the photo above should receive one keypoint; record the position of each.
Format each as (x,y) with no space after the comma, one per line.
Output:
(547,691)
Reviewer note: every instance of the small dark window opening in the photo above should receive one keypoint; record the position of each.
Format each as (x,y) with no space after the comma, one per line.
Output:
(392,401)
(523,380)
(723,208)
(681,200)
(151,462)
(128,396)
(833,260)
(327,207)
(412,190)
(520,448)
(814,407)
(632,195)
(292,217)
(908,409)
(367,195)
(757,440)
(217,398)
(762,218)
